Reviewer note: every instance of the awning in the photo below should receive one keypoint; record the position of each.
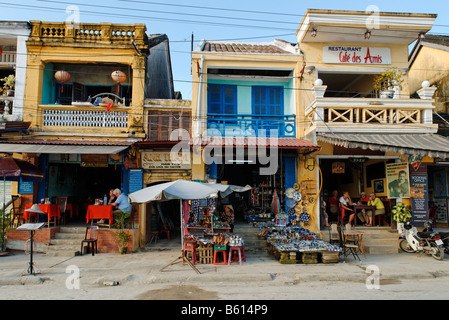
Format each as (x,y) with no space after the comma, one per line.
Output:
(63,146)
(255,142)
(432,145)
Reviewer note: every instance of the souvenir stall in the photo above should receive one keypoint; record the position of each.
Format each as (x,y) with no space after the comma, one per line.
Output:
(208,239)
(293,237)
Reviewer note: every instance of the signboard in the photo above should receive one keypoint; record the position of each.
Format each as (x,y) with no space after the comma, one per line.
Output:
(419,198)
(163,160)
(356,55)
(25,187)
(94,160)
(135,180)
(397,176)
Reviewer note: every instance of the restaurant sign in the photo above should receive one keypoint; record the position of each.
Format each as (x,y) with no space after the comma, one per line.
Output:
(356,55)
(165,160)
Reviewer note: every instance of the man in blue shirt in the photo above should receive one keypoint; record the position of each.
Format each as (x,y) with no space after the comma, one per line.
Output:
(121,202)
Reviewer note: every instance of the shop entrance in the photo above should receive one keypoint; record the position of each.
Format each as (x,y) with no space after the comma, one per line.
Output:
(82,185)
(356,175)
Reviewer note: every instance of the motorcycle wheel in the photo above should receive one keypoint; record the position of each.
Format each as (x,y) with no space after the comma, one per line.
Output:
(405,246)
(437,251)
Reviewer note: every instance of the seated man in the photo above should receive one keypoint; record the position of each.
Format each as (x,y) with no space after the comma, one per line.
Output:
(346,203)
(375,202)
(121,203)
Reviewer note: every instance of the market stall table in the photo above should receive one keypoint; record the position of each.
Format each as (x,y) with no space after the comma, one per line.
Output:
(52,210)
(100,212)
(367,208)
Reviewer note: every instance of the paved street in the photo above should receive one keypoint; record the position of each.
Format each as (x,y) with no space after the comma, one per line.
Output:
(138,276)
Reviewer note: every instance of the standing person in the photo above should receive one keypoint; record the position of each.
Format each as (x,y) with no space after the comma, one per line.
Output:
(333,204)
(346,203)
(228,216)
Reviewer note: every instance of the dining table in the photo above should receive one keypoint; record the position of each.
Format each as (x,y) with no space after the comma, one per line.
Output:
(52,210)
(366,208)
(98,212)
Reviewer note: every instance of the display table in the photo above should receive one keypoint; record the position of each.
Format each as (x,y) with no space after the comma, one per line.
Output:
(52,210)
(100,212)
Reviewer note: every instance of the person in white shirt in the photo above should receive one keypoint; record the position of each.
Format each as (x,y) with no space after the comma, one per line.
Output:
(346,203)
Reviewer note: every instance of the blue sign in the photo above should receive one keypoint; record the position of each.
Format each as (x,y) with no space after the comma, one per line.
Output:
(25,187)
(135,180)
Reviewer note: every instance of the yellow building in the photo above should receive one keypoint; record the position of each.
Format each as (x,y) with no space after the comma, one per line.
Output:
(84,95)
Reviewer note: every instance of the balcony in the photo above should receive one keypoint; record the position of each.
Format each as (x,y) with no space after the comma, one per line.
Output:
(248,125)
(360,114)
(87,117)
(102,33)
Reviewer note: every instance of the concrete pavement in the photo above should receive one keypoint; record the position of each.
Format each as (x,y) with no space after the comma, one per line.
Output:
(144,267)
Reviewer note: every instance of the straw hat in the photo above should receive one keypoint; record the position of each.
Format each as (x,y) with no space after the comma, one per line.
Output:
(35,208)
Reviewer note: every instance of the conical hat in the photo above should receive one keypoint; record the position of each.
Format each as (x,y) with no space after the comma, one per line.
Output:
(35,208)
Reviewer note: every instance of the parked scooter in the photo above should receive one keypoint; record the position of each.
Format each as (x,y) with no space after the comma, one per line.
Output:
(428,227)
(424,242)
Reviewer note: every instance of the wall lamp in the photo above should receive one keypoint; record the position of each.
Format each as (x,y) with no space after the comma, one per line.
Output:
(314,32)
(367,34)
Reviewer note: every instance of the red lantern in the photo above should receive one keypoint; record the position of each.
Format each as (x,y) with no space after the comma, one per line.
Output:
(119,77)
(62,77)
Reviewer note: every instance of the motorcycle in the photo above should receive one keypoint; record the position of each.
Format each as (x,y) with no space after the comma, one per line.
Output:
(428,227)
(428,242)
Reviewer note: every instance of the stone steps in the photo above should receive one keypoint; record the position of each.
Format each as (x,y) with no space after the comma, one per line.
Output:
(66,242)
(249,234)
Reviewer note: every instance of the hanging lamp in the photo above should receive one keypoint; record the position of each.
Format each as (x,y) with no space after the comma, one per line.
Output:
(62,77)
(119,77)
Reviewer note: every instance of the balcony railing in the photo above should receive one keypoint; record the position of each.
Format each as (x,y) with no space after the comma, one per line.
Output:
(8,58)
(88,32)
(54,117)
(365,112)
(251,125)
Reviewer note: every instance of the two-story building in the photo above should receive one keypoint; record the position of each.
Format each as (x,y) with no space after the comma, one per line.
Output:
(362,134)
(84,96)
(13,65)
(245,117)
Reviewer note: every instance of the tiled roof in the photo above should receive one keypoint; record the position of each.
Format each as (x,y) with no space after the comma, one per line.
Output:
(437,39)
(69,142)
(283,143)
(276,47)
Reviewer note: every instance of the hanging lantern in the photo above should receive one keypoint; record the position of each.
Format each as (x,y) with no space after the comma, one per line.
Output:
(119,77)
(62,77)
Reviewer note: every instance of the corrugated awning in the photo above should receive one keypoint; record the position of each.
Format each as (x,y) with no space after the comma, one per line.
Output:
(281,143)
(432,145)
(63,146)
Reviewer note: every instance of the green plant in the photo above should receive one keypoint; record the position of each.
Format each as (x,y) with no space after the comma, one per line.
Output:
(9,82)
(121,235)
(401,212)
(388,79)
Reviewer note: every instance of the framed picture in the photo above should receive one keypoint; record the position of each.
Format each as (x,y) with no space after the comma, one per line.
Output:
(379,186)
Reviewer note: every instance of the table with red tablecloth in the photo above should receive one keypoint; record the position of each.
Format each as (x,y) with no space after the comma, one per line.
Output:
(99,212)
(52,210)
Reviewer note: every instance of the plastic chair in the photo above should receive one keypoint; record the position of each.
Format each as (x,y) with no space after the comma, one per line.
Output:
(91,239)
(237,250)
(165,229)
(223,256)
(189,247)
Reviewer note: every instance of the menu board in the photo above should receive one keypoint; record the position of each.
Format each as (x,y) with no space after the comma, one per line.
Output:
(419,198)
(135,180)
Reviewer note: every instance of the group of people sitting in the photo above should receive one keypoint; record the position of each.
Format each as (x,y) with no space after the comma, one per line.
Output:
(345,202)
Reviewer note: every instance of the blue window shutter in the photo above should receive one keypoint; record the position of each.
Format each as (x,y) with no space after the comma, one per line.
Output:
(268,100)
(222,99)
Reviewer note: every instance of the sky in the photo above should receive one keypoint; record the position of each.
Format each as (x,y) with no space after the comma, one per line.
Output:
(238,20)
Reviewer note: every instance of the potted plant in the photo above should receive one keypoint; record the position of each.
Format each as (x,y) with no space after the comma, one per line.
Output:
(385,82)
(121,235)
(401,214)
(9,84)
(122,238)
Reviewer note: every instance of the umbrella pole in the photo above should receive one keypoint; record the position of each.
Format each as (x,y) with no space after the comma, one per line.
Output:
(182,258)
(3,215)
